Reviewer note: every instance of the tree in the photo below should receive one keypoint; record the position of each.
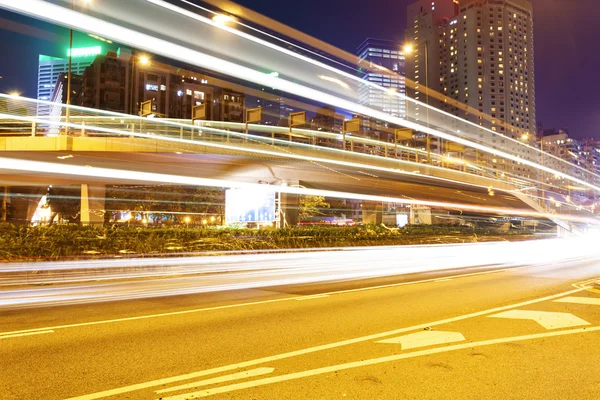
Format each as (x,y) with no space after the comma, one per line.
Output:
(312,206)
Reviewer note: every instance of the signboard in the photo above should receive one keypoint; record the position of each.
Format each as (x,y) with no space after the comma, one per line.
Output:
(420,215)
(146,108)
(199,112)
(455,148)
(253,115)
(352,125)
(84,51)
(403,134)
(297,119)
(247,205)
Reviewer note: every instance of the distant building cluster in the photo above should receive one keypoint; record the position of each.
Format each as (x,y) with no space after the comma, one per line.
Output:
(120,81)
(581,155)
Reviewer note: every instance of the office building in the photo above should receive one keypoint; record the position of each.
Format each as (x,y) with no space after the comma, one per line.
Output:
(327,119)
(387,54)
(108,83)
(49,69)
(276,108)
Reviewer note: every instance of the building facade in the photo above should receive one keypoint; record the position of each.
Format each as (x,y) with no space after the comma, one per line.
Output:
(113,82)
(50,68)
(387,54)
(479,53)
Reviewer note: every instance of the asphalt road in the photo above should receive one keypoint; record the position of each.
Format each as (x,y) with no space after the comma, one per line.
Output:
(527,332)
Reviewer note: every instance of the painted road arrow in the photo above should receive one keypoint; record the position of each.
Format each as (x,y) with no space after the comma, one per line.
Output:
(580,300)
(549,320)
(425,338)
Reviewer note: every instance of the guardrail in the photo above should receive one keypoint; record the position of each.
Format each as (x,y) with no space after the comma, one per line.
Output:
(17,118)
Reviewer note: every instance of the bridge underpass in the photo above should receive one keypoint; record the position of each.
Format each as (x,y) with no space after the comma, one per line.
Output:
(178,159)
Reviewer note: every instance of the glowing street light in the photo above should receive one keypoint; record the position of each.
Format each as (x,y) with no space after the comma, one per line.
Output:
(187,220)
(408,48)
(144,60)
(14,94)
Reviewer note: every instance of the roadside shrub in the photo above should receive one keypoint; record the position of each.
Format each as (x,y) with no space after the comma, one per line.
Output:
(76,241)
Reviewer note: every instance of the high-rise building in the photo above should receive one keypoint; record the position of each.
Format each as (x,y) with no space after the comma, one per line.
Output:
(107,84)
(480,53)
(49,69)
(327,119)
(387,54)
(276,108)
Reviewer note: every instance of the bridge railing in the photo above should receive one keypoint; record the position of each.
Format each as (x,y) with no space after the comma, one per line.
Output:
(19,118)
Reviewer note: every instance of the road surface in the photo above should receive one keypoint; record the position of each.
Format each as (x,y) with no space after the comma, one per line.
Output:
(479,333)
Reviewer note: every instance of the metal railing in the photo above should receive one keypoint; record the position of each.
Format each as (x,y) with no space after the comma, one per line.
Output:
(18,118)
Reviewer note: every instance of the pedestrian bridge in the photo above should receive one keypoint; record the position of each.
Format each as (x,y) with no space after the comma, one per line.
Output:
(257,153)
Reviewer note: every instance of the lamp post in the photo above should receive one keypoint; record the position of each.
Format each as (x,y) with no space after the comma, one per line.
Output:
(410,49)
(142,60)
(70,67)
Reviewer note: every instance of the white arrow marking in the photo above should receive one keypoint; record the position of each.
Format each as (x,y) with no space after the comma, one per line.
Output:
(549,320)
(579,300)
(425,338)
(220,379)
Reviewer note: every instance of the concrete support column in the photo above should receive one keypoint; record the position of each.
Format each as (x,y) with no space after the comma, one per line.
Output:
(289,204)
(92,204)
(372,212)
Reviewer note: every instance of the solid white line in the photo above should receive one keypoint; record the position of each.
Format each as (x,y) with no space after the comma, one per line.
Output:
(309,350)
(25,334)
(109,321)
(316,296)
(174,313)
(220,379)
(427,280)
(380,360)
(580,300)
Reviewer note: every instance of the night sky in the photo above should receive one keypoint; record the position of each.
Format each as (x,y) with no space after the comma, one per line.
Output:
(567,48)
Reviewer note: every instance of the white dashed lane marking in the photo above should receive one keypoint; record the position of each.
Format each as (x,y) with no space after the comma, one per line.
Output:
(425,338)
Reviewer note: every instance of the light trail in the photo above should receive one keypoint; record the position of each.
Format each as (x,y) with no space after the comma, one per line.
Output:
(348,76)
(281,153)
(71,282)
(61,15)
(12,164)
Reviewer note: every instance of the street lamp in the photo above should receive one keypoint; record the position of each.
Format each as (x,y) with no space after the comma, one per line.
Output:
(70,67)
(409,49)
(143,60)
